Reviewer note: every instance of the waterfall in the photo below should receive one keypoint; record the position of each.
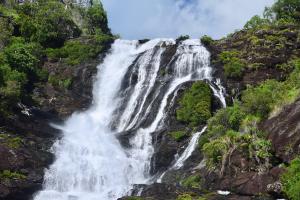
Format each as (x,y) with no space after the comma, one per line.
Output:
(219,92)
(90,162)
(189,150)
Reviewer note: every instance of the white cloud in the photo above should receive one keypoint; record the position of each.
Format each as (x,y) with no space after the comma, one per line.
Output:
(136,19)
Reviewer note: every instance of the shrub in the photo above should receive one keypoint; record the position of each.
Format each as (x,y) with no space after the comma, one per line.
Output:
(291,180)
(218,151)
(6,32)
(182,38)
(256,22)
(97,19)
(25,58)
(11,142)
(184,197)
(178,135)
(233,66)
(260,148)
(250,124)
(193,181)
(195,104)
(11,85)
(203,140)
(225,119)
(51,25)
(57,81)
(206,40)
(259,100)
(75,52)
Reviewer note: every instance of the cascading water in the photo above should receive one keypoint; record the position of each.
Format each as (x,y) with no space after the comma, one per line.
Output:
(90,162)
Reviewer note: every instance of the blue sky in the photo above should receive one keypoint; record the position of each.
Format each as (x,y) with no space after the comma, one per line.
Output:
(138,19)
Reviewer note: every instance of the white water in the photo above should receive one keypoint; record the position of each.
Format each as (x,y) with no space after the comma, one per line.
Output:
(90,162)
(218,92)
(189,150)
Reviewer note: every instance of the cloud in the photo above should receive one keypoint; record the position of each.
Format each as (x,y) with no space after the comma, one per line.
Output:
(137,19)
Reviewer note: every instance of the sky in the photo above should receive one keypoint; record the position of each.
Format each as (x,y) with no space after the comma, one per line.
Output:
(139,19)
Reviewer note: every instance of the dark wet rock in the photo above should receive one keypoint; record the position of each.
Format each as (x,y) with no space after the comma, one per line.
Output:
(143,41)
(27,159)
(284,132)
(165,150)
(158,191)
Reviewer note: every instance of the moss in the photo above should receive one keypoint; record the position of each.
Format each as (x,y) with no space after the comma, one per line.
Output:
(58,81)
(184,197)
(10,141)
(178,135)
(195,104)
(134,198)
(7,174)
(193,181)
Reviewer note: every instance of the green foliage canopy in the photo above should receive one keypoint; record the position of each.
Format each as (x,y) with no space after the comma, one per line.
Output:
(195,105)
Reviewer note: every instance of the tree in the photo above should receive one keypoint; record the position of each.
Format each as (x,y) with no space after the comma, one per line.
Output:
(256,22)
(97,19)
(54,25)
(285,9)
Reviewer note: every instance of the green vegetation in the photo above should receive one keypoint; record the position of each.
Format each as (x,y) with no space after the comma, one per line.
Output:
(233,66)
(6,32)
(280,13)
(288,10)
(225,119)
(193,181)
(178,135)
(206,40)
(33,32)
(47,22)
(75,52)
(235,128)
(7,174)
(134,198)
(10,141)
(291,180)
(58,81)
(272,95)
(218,151)
(184,197)
(189,197)
(256,22)
(97,19)
(195,105)
(182,38)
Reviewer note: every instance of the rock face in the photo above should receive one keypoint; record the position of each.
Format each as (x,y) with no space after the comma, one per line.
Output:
(284,132)
(261,53)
